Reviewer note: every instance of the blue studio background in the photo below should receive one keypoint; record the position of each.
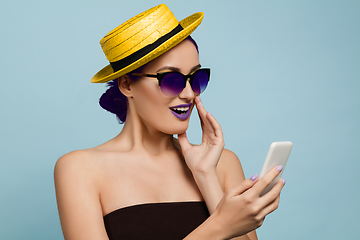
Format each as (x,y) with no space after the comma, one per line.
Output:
(281,70)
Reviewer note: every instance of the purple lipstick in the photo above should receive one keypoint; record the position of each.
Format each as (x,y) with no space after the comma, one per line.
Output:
(181,111)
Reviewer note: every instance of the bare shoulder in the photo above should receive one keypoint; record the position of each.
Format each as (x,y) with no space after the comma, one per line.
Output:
(74,171)
(229,155)
(229,170)
(77,195)
(79,161)
(71,158)
(229,160)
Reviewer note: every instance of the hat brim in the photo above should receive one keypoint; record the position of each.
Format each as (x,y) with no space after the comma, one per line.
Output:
(189,24)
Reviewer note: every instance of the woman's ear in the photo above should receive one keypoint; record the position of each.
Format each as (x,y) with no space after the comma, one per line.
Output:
(124,84)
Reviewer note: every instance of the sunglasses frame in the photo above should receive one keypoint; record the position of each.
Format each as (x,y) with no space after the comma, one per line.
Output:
(160,76)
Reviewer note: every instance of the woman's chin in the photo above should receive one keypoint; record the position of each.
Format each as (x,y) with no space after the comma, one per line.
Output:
(180,128)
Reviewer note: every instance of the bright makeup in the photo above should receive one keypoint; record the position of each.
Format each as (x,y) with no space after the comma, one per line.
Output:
(181,111)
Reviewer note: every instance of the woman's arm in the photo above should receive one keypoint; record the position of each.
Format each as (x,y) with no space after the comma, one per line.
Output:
(231,174)
(78,199)
(241,209)
(215,170)
(202,159)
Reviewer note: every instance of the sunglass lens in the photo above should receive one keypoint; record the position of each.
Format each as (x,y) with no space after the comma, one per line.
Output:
(200,81)
(172,84)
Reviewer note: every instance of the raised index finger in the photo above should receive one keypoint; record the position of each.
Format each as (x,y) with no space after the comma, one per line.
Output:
(205,123)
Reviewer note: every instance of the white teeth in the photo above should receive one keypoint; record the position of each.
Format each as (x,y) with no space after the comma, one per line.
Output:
(183,109)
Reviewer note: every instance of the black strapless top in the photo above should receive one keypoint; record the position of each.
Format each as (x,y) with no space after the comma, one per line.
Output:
(168,220)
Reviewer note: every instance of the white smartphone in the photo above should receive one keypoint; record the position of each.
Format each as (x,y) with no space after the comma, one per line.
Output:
(278,154)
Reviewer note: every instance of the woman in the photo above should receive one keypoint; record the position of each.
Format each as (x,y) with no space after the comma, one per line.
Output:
(144,183)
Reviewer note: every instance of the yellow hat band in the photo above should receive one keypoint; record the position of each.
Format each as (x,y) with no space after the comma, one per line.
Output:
(116,66)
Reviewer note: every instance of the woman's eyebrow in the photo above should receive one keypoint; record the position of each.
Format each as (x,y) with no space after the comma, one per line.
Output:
(195,68)
(176,69)
(168,68)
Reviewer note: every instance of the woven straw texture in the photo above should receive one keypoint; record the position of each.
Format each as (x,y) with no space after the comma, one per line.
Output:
(138,32)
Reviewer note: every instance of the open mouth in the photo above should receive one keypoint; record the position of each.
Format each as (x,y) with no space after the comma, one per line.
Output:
(181,111)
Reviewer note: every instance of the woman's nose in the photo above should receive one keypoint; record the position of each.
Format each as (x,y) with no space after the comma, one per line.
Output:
(187,92)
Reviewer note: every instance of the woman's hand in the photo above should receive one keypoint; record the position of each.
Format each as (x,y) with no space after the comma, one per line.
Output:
(203,158)
(242,209)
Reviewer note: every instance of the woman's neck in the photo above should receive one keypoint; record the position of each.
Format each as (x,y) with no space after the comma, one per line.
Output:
(143,137)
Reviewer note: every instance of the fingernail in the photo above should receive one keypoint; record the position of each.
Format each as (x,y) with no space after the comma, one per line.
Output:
(253,177)
(279,168)
(284,181)
(199,102)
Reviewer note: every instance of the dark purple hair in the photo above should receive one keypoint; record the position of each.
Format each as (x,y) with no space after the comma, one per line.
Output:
(114,101)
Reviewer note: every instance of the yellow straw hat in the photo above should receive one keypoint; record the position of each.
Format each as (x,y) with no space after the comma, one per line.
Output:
(142,39)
